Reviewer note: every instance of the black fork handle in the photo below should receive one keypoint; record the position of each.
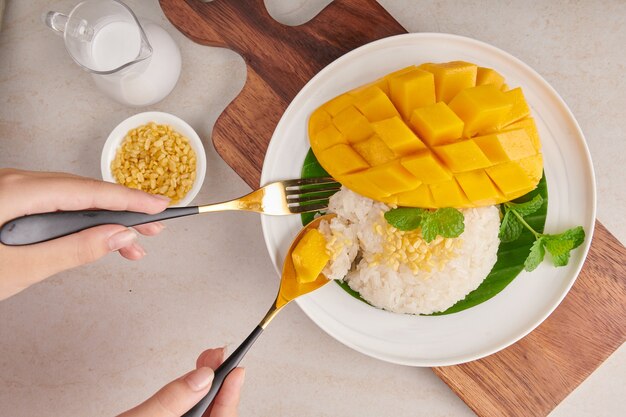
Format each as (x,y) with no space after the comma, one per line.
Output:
(222,372)
(42,227)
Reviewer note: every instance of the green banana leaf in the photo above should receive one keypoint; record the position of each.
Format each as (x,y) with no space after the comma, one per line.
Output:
(511,255)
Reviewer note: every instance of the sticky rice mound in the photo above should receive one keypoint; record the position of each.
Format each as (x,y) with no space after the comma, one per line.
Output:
(399,271)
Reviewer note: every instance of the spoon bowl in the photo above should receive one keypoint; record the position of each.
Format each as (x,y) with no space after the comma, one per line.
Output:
(290,289)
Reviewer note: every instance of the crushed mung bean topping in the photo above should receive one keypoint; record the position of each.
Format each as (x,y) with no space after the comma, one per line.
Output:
(156,159)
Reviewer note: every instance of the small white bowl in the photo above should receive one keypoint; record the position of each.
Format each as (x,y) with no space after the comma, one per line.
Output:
(117,135)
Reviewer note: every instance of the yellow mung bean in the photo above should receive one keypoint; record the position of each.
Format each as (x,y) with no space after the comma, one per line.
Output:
(156,159)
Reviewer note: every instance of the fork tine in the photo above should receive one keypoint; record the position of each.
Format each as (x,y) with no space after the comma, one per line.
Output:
(309,198)
(309,181)
(305,208)
(300,191)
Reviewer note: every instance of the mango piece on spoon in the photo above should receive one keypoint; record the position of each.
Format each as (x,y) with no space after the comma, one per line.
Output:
(310,256)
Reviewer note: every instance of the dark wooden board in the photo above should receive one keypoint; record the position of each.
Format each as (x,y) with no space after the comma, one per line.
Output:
(527,379)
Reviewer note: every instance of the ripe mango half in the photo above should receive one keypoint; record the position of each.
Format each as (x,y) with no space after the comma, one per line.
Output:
(436,135)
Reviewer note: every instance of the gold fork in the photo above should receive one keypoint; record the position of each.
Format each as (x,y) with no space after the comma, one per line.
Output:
(277,198)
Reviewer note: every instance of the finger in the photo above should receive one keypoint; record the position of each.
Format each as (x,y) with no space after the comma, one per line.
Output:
(133,252)
(211,358)
(150,229)
(227,400)
(51,193)
(67,252)
(177,397)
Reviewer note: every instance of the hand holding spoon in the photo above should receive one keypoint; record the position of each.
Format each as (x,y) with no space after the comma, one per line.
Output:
(290,289)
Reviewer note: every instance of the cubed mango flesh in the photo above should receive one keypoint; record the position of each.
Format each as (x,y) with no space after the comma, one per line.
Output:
(389,140)
(477,186)
(374,151)
(337,104)
(506,146)
(397,136)
(511,179)
(341,159)
(319,120)
(419,197)
(436,124)
(426,167)
(462,156)
(327,137)
(353,125)
(486,76)
(451,78)
(448,194)
(411,90)
(519,109)
(374,104)
(480,108)
(528,124)
(392,177)
(310,256)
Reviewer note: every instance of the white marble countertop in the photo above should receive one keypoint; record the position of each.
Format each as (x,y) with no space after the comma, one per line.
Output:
(99,339)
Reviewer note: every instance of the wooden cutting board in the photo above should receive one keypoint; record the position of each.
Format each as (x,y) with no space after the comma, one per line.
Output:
(527,379)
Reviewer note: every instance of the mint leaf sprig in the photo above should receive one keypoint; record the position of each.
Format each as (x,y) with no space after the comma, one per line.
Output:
(444,222)
(559,246)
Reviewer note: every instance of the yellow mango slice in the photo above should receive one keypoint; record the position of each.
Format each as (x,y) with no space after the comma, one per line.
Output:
(486,76)
(462,156)
(506,146)
(478,187)
(451,78)
(392,177)
(389,140)
(374,151)
(528,124)
(448,194)
(374,104)
(397,136)
(436,124)
(353,125)
(319,120)
(419,197)
(533,167)
(327,137)
(480,108)
(380,83)
(519,109)
(426,168)
(510,179)
(310,256)
(338,104)
(341,159)
(359,183)
(411,90)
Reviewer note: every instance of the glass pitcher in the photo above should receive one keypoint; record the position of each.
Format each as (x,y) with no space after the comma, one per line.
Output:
(135,63)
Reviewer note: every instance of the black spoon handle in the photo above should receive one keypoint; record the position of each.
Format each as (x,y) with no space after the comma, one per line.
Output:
(222,372)
(41,227)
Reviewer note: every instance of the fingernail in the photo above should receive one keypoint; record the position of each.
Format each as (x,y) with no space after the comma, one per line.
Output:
(200,378)
(122,239)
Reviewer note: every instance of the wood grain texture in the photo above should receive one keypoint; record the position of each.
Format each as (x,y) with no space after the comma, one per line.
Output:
(526,379)
(535,374)
(280,60)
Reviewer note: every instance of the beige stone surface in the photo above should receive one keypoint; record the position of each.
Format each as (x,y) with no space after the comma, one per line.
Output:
(99,339)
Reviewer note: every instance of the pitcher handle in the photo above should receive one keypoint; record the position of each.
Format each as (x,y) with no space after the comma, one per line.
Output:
(55,21)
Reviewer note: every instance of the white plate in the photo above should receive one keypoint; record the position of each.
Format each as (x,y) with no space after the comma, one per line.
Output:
(520,307)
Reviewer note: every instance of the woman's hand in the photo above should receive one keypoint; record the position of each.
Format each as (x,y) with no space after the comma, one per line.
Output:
(177,397)
(25,192)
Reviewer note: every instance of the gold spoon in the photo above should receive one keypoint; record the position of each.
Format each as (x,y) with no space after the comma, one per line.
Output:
(290,289)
